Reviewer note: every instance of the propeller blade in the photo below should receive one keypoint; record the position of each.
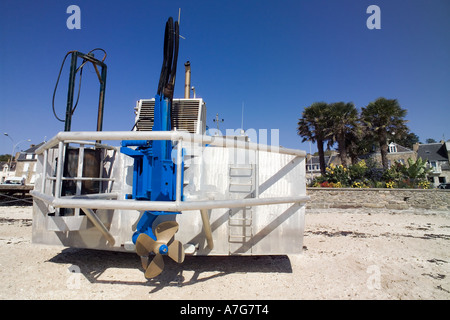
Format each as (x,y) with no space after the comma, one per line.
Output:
(176,251)
(144,262)
(155,267)
(166,230)
(144,245)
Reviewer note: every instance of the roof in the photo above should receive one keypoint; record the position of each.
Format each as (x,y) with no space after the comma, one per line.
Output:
(31,150)
(432,152)
(315,159)
(399,148)
(3,163)
(402,148)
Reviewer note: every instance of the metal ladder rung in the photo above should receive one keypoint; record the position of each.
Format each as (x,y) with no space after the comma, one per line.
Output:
(238,222)
(238,239)
(245,166)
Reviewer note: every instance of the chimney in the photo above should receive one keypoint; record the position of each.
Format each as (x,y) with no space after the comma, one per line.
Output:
(187,84)
(416,147)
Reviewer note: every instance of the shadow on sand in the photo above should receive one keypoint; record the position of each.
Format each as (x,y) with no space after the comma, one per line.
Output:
(93,263)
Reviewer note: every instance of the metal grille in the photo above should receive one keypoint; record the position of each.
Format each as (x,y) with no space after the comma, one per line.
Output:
(185,115)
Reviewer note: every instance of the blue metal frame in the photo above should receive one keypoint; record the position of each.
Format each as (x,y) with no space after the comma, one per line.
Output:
(154,172)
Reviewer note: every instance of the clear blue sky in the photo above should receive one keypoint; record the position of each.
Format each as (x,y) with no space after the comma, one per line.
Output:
(276,57)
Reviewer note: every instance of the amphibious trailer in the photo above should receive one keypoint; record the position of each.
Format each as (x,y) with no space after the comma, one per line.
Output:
(167,187)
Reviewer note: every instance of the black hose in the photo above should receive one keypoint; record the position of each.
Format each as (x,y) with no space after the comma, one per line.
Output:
(175,56)
(166,83)
(164,69)
(56,86)
(80,68)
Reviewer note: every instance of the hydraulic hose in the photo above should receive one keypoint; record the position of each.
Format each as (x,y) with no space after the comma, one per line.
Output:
(167,77)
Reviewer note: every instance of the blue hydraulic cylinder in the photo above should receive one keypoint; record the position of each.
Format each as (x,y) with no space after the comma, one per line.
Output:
(154,170)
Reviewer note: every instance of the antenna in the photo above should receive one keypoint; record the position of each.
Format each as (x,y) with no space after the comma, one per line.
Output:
(217,121)
(179,21)
(242,119)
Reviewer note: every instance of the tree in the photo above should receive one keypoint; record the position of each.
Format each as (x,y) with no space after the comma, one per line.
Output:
(343,124)
(312,126)
(408,140)
(358,143)
(430,140)
(5,157)
(416,170)
(384,120)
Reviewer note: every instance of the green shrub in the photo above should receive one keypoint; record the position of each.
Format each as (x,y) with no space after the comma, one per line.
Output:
(367,175)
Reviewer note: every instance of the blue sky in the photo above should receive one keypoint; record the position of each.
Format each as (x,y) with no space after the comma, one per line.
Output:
(275,57)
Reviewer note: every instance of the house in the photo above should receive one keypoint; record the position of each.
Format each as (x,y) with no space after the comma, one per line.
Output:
(313,165)
(6,171)
(396,153)
(26,164)
(437,157)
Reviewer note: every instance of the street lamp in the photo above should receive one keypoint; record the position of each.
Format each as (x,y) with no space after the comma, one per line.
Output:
(14,148)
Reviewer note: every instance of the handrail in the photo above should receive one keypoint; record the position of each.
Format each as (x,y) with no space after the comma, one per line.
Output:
(61,138)
(171,206)
(218,141)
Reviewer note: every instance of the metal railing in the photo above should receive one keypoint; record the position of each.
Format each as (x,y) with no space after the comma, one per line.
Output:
(98,201)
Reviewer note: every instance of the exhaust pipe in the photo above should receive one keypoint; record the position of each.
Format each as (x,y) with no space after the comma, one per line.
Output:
(187,83)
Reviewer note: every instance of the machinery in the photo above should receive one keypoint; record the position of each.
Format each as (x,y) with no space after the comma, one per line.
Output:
(168,188)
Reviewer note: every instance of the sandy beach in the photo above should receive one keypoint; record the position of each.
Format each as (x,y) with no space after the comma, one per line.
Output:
(357,255)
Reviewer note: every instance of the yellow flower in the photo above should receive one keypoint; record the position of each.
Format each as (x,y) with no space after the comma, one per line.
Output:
(424,184)
(362,164)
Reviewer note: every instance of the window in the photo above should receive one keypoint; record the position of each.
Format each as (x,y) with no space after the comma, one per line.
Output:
(392,148)
(312,167)
(433,164)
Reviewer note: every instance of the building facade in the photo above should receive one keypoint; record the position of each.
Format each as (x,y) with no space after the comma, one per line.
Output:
(26,164)
(436,155)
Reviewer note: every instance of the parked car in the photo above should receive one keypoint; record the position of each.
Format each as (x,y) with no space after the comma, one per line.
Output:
(444,186)
(15,180)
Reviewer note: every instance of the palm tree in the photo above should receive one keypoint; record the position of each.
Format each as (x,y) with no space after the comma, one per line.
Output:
(344,118)
(384,120)
(312,126)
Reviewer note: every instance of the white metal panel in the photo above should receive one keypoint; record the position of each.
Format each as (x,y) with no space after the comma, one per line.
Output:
(275,228)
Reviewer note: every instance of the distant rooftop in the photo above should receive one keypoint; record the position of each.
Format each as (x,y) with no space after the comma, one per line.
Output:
(433,152)
(30,151)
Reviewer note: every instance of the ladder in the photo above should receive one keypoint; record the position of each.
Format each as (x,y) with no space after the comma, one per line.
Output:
(240,229)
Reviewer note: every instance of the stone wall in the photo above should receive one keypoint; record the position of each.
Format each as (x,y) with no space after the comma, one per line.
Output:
(378,200)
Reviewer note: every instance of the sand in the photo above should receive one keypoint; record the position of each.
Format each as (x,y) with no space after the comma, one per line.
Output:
(358,255)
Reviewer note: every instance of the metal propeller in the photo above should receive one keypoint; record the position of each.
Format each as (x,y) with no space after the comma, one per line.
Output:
(164,232)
